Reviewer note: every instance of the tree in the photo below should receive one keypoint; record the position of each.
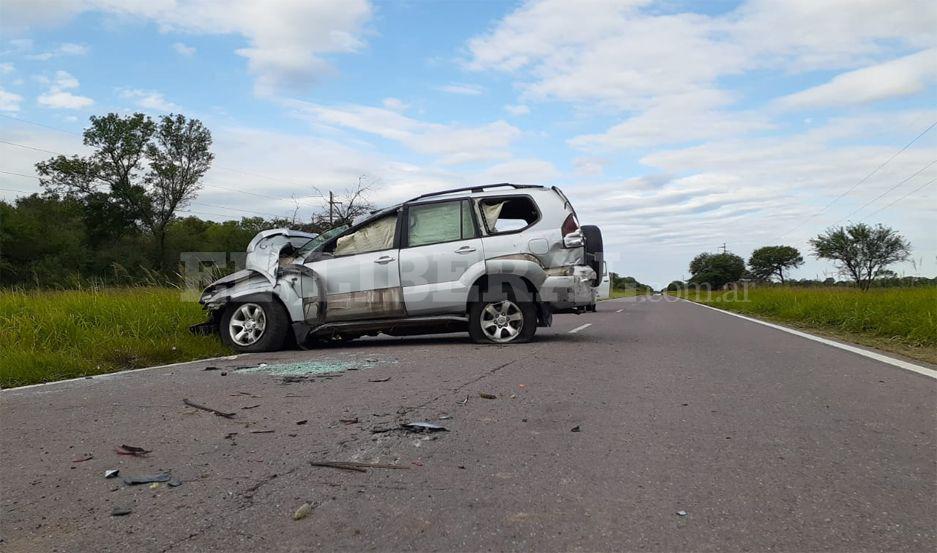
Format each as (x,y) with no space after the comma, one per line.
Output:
(771,261)
(716,269)
(676,286)
(343,207)
(860,251)
(138,176)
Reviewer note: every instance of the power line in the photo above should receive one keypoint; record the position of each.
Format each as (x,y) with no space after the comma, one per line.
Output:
(880,196)
(862,180)
(926,184)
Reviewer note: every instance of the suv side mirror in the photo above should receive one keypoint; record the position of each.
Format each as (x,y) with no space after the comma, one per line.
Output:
(574,239)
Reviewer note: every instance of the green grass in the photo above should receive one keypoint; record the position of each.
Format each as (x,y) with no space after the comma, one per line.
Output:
(624,293)
(53,335)
(903,320)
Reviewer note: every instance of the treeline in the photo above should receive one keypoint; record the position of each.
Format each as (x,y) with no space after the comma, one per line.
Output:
(56,242)
(629,283)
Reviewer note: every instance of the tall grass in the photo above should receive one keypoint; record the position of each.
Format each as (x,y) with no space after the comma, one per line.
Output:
(903,316)
(52,335)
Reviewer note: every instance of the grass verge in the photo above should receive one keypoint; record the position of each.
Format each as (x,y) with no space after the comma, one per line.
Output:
(54,335)
(899,320)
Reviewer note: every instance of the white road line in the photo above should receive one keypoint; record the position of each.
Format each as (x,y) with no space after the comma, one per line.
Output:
(578,328)
(619,311)
(115,374)
(865,353)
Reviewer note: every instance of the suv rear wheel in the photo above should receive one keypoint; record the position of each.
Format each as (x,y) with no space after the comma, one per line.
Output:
(251,327)
(501,318)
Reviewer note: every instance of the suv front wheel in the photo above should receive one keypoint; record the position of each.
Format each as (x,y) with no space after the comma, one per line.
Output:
(251,327)
(502,318)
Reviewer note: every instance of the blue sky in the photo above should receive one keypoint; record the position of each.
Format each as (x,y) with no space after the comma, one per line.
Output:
(676,126)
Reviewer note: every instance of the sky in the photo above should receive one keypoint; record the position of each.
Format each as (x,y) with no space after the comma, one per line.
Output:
(677,127)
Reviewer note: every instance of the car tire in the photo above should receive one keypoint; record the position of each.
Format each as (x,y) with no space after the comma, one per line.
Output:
(520,317)
(595,252)
(270,317)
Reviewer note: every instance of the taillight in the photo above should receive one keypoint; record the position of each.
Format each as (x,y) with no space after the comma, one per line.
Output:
(569,225)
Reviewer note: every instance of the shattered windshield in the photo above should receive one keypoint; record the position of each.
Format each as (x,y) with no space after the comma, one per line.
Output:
(314,244)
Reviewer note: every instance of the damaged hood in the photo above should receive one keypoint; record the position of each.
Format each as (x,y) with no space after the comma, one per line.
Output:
(263,252)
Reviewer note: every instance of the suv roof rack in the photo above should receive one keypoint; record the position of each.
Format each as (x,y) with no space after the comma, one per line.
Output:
(474,189)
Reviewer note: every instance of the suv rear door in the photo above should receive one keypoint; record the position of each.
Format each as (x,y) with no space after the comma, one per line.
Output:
(440,242)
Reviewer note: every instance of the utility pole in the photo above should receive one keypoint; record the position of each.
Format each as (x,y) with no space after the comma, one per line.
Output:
(331,203)
(723,246)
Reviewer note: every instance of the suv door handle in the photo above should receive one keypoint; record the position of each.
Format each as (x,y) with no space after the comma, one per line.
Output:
(465,249)
(384,259)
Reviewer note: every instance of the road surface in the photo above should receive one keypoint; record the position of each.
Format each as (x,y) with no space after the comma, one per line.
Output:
(760,440)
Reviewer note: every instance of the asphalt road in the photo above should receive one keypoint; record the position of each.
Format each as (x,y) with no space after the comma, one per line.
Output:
(767,442)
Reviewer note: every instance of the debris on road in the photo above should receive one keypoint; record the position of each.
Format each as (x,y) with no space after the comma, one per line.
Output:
(423,426)
(302,512)
(575,429)
(120,511)
(147,478)
(302,368)
(83,459)
(681,513)
(484,395)
(211,368)
(444,417)
(251,406)
(302,422)
(209,409)
(111,473)
(262,431)
(464,401)
(154,486)
(133,451)
(349,421)
(356,467)
(385,379)
(173,483)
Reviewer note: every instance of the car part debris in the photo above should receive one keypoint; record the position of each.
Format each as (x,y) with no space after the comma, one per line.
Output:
(423,426)
(262,431)
(464,401)
(173,483)
(209,409)
(211,368)
(444,417)
(302,422)
(111,473)
(83,459)
(120,511)
(484,395)
(385,379)
(302,512)
(354,466)
(133,451)
(251,406)
(349,421)
(154,486)
(147,478)
(575,429)
(681,513)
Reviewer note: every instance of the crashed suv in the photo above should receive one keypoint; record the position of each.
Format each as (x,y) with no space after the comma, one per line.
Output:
(496,260)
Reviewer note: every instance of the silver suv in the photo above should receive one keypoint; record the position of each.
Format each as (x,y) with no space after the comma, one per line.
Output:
(496,260)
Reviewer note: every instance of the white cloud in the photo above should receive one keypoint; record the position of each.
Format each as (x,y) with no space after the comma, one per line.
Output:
(183,49)
(72,49)
(6,68)
(57,95)
(679,118)
(462,88)
(63,100)
(148,99)
(395,104)
(287,39)
(451,143)
(9,101)
(518,110)
(589,166)
(627,56)
(529,171)
(899,77)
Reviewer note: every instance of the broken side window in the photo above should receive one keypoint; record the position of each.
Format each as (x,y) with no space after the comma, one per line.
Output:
(375,236)
(508,214)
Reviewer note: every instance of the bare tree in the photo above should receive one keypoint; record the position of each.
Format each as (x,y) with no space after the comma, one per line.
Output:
(342,208)
(861,251)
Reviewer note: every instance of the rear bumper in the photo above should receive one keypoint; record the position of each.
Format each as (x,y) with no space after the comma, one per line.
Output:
(564,292)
